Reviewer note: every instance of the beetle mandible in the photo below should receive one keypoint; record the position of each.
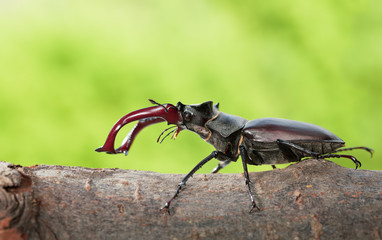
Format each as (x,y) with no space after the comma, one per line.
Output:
(260,141)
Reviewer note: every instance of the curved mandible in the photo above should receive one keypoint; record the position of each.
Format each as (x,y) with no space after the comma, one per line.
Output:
(167,112)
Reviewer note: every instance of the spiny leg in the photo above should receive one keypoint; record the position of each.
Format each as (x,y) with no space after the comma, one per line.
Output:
(297,147)
(322,156)
(244,156)
(221,165)
(356,162)
(214,154)
(371,151)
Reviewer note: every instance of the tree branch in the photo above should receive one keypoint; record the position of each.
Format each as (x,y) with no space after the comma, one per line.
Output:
(313,199)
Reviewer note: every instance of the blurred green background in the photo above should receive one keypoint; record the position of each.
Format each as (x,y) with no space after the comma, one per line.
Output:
(70,69)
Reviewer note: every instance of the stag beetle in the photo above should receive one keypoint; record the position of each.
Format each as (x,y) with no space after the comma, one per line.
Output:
(260,141)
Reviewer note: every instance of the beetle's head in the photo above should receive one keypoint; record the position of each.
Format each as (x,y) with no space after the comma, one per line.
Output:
(195,117)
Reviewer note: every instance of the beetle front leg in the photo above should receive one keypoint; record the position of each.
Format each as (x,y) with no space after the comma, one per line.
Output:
(244,158)
(214,154)
(221,165)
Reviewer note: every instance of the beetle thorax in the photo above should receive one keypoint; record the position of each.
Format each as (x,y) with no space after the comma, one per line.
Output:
(229,146)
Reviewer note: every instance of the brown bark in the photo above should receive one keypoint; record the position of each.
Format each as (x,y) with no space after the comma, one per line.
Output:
(313,199)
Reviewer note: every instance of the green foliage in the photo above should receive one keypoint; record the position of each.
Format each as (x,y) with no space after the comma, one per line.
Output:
(70,69)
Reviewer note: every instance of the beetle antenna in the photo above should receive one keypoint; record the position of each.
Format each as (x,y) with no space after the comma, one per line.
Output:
(155,103)
(164,132)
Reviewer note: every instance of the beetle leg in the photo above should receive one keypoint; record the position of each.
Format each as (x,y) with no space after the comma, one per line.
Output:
(274,166)
(322,156)
(244,158)
(356,162)
(371,151)
(214,154)
(221,165)
(297,147)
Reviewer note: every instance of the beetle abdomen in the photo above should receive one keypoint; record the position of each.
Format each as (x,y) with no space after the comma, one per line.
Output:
(271,129)
(271,153)
(261,135)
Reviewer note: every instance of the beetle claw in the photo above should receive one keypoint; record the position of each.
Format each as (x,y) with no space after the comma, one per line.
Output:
(371,151)
(167,207)
(354,159)
(254,206)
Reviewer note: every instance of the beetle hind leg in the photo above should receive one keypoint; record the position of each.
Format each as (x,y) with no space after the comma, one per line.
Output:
(355,160)
(315,155)
(330,155)
(371,151)
(286,147)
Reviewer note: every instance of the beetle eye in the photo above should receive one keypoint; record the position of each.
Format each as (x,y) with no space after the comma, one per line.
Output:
(187,116)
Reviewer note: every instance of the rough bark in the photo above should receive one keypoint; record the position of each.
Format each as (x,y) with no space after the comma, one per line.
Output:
(313,199)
